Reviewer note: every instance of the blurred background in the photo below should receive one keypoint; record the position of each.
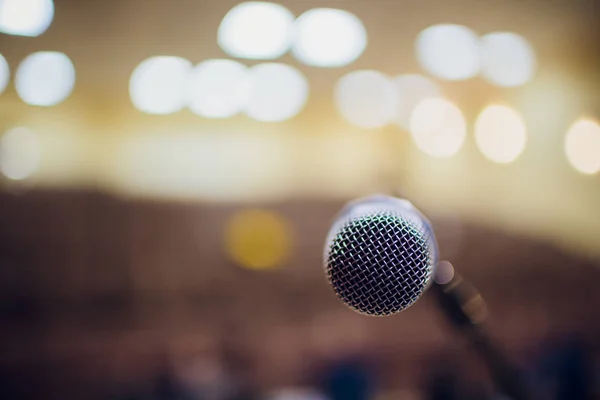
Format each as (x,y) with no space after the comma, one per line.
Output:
(169,170)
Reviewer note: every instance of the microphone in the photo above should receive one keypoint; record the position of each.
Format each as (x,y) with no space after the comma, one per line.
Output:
(381,256)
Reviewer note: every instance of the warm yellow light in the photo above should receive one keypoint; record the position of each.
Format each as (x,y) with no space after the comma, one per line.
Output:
(582,146)
(45,78)
(449,52)
(326,37)
(218,88)
(20,153)
(367,99)
(25,17)
(507,59)
(256,30)
(500,133)
(258,239)
(412,89)
(4,73)
(275,92)
(158,85)
(438,127)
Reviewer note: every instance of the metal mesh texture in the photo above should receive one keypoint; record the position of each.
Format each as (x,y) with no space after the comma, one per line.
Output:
(379,264)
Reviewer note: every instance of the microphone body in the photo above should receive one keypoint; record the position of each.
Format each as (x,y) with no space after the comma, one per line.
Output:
(381,256)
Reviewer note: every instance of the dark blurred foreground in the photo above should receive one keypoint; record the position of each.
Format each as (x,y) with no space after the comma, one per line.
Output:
(110,299)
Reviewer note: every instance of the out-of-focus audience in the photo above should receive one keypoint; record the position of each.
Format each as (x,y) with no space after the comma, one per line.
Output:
(564,370)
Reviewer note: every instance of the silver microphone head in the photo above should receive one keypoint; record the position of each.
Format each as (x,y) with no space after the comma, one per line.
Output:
(380,255)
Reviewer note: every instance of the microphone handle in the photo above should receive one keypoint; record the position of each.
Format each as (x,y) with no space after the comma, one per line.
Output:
(465,309)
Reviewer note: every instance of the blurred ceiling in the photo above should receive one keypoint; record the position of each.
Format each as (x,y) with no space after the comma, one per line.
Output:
(317,154)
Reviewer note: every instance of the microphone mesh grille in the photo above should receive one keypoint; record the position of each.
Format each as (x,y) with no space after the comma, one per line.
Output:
(379,264)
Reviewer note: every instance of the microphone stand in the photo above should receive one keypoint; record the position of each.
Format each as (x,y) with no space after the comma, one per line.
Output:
(465,309)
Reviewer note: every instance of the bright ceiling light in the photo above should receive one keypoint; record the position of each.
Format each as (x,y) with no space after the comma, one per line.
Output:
(449,52)
(276,92)
(45,78)
(438,127)
(500,133)
(367,99)
(412,89)
(20,153)
(4,73)
(582,146)
(256,30)
(326,37)
(507,59)
(218,88)
(159,84)
(25,17)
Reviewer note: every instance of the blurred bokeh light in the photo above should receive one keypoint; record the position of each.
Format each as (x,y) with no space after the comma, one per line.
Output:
(4,73)
(449,52)
(582,146)
(20,153)
(507,59)
(218,88)
(256,30)
(500,133)
(412,89)
(258,239)
(366,98)
(276,92)
(158,85)
(326,37)
(221,166)
(45,78)
(438,127)
(25,17)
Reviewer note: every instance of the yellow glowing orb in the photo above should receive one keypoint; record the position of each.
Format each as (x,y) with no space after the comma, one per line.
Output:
(258,239)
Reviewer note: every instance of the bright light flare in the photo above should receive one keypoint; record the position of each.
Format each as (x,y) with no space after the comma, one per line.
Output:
(326,37)
(500,133)
(507,59)
(256,30)
(45,78)
(412,89)
(582,146)
(438,127)
(20,153)
(367,98)
(25,17)
(449,52)
(218,88)
(158,85)
(276,92)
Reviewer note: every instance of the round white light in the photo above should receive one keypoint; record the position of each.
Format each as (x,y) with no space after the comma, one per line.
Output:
(4,73)
(327,37)
(449,52)
(507,59)
(438,127)
(367,99)
(500,133)
(45,78)
(20,153)
(158,85)
(276,92)
(582,146)
(218,88)
(25,17)
(412,89)
(256,30)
